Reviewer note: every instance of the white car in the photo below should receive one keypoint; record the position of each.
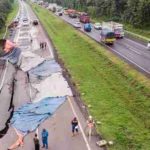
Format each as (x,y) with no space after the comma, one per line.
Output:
(77,24)
(97,26)
(148,45)
(25,23)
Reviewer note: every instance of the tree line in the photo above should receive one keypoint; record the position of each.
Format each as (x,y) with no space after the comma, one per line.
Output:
(5,8)
(134,12)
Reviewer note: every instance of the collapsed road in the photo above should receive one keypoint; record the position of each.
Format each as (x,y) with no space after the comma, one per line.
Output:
(39,82)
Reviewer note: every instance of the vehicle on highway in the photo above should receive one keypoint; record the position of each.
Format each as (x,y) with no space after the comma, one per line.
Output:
(148,45)
(87,27)
(35,22)
(77,24)
(84,18)
(25,23)
(117,28)
(97,26)
(72,15)
(107,36)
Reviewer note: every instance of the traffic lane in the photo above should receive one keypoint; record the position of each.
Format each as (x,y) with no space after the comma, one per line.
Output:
(121,48)
(22,90)
(66,121)
(5,96)
(139,48)
(132,57)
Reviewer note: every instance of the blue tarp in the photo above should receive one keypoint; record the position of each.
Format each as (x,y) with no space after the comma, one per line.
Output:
(29,116)
(13,56)
(46,68)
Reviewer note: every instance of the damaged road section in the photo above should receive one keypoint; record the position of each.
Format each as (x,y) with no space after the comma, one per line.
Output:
(6,96)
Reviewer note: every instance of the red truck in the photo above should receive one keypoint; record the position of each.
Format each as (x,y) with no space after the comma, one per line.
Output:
(84,18)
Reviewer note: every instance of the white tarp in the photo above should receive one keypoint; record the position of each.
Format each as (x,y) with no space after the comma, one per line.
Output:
(29,60)
(53,86)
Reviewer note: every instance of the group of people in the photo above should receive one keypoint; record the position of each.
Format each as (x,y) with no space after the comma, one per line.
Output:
(43,45)
(44,134)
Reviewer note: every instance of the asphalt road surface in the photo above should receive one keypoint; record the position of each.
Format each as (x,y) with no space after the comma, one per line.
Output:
(133,52)
(59,126)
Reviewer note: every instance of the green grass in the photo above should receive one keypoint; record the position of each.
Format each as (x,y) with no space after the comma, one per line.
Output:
(119,95)
(10,17)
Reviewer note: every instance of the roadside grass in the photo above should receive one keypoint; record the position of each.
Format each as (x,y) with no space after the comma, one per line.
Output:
(10,17)
(141,34)
(119,96)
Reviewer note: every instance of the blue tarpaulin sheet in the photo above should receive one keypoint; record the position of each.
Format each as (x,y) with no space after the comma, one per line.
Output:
(29,116)
(46,68)
(13,56)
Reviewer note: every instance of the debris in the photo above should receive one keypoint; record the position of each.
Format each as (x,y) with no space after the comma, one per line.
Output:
(89,106)
(110,142)
(98,123)
(101,143)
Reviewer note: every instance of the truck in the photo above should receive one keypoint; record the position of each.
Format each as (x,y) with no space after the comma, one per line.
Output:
(115,27)
(84,18)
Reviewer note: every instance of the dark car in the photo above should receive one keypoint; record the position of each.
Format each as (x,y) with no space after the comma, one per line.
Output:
(35,22)
(73,15)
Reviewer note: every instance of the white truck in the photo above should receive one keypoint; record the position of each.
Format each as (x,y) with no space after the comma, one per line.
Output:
(117,28)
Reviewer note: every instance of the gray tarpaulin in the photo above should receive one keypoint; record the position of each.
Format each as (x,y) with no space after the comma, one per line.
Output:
(29,60)
(53,86)
(45,69)
(13,56)
(29,116)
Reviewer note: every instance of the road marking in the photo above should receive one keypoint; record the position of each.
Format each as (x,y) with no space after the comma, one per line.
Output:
(135,42)
(148,72)
(3,78)
(75,114)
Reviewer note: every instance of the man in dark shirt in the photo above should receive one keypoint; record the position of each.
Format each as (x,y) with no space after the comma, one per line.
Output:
(36,142)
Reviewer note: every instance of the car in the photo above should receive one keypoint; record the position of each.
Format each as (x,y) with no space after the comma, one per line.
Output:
(97,26)
(77,24)
(87,27)
(148,45)
(35,22)
(25,23)
(25,19)
(73,15)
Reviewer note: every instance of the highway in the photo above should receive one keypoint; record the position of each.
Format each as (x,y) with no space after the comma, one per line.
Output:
(131,51)
(59,125)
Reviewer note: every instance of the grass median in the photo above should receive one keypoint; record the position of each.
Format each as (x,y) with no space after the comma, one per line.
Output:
(118,95)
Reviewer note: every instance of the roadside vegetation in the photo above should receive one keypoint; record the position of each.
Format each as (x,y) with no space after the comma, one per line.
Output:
(119,96)
(8,10)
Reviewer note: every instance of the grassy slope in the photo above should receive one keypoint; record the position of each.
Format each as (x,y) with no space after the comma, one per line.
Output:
(10,17)
(117,99)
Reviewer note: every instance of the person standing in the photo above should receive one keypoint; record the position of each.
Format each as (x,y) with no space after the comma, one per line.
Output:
(45,138)
(45,44)
(36,142)
(74,124)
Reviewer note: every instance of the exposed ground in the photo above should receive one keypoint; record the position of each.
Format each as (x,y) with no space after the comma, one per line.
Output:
(118,95)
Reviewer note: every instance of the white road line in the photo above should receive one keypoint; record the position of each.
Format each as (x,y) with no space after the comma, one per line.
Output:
(3,78)
(135,42)
(131,48)
(148,72)
(49,49)
(80,126)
